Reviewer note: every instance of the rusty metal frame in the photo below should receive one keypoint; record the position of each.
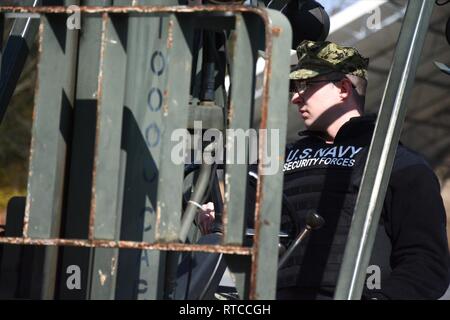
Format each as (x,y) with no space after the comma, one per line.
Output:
(224,10)
(128,245)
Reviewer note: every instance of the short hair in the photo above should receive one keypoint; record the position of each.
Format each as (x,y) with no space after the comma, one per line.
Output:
(359,84)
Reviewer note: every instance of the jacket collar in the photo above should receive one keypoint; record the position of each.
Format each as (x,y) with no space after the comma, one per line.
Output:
(357,128)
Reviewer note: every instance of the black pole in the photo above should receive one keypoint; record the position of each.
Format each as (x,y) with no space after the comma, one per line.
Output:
(14,56)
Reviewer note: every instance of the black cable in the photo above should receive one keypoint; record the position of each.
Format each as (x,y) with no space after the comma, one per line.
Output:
(198,41)
(211,178)
(188,170)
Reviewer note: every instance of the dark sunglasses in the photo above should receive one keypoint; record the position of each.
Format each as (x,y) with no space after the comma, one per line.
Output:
(301,86)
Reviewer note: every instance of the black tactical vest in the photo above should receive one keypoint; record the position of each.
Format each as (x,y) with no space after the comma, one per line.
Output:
(324,178)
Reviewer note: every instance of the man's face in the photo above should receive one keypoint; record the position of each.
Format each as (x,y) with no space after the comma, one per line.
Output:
(316,99)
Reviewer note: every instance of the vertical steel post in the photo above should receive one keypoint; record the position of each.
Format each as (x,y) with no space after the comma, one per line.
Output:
(84,138)
(382,150)
(270,184)
(140,272)
(175,116)
(51,138)
(106,210)
(244,49)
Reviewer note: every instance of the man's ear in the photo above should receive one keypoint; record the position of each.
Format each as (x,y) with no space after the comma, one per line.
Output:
(346,89)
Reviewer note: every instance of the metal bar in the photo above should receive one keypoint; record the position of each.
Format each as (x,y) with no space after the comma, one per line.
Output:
(244,54)
(128,245)
(105,210)
(240,111)
(270,182)
(80,175)
(210,116)
(175,116)
(51,135)
(224,10)
(140,274)
(382,151)
(105,214)
(291,248)
(136,73)
(103,274)
(14,56)
(110,95)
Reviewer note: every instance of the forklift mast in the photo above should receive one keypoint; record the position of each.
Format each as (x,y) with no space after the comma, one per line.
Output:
(116,79)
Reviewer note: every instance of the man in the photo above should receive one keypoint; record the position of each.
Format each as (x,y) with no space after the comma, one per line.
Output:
(323,171)
(322,174)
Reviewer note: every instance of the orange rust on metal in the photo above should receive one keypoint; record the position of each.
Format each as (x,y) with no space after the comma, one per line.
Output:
(276,31)
(259,185)
(170,34)
(93,208)
(230,111)
(254,266)
(225,205)
(136,9)
(165,107)
(158,219)
(225,9)
(262,142)
(129,245)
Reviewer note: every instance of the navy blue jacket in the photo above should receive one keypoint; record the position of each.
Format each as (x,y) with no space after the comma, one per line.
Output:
(411,244)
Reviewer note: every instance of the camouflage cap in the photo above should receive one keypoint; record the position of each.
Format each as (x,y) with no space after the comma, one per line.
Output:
(318,58)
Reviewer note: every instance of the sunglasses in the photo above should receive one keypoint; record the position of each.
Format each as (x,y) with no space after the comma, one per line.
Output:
(297,86)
